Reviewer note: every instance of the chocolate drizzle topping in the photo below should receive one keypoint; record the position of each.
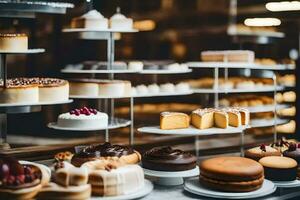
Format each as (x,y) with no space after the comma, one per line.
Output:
(167,153)
(105,150)
(263,147)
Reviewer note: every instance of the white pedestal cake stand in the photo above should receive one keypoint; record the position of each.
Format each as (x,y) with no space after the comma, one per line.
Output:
(171,178)
(193,186)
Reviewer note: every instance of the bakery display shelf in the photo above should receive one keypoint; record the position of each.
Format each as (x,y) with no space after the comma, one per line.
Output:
(34,7)
(270,34)
(236,65)
(147,189)
(112,71)
(108,30)
(161,71)
(5,105)
(28,51)
(266,108)
(259,123)
(113,124)
(191,131)
(193,186)
(171,178)
(287,184)
(244,90)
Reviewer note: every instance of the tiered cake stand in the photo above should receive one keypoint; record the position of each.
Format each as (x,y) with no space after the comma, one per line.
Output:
(14,108)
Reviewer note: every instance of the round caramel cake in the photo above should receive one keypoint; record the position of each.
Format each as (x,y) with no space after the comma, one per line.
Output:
(168,159)
(13,42)
(106,151)
(232,174)
(257,153)
(278,168)
(53,89)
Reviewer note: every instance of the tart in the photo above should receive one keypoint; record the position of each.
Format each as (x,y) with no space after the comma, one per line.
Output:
(13,42)
(257,153)
(168,159)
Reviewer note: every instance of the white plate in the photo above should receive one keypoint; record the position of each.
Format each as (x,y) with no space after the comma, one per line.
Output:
(191,131)
(23,52)
(161,71)
(193,186)
(254,90)
(174,174)
(148,187)
(257,123)
(74,30)
(287,184)
(236,65)
(35,104)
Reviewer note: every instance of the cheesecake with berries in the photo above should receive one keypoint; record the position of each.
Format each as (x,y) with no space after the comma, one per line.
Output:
(83,118)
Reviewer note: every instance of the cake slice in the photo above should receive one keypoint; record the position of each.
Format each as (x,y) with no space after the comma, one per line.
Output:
(221,119)
(245,115)
(203,118)
(234,117)
(174,120)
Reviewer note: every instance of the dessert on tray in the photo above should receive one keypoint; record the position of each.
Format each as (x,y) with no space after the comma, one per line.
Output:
(174,120)
(278,168)
(168,159)
(246,100)
(105,151)
(231,174)
(21,181)
(53,89)
(83,118)
(95,87)
(91,20)
(293,152)
(119,22)
(13,42)
(228,56)
(263,150)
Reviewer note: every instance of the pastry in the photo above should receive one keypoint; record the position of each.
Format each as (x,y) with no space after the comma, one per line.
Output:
(52,89)
(142,89)
(245,85)
(122,180)
(135,65)
(228,56)
(234,117)
(231,174)
(105,151)
(257,153)
(54,191)
(289,96)
(279,168)
(221,119)
(91,20)
(21,181)
(133,91)
(203,118)
(13,42)
(19,90)
(182,87)
(167,88)
(83,118)
(63,156)
(119,22)
(168,159)
(84,87)
(174,120)
(153,89)
(245,115)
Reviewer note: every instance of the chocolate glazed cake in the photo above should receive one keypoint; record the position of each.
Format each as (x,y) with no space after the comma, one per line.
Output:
(106,150)
(168,159)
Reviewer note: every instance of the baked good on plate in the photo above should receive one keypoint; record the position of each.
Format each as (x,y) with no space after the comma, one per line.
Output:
(168,159)
(203,118)
(63,156)
(19,90)
(93,20)
(281,145)
(231,174)
(105,151)
(293,152)
(263,150)
(21,181)
(278,168)
(174,120)
(135,65)
(83,118)
(84,87)
(119,22)
(13,42)
(53,89)
(228,56)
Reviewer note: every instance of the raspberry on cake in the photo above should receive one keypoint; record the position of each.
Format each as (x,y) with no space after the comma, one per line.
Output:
(83,118)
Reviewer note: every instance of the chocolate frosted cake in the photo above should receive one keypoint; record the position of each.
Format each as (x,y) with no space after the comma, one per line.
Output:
(168,159)
(104,151)
(293,152)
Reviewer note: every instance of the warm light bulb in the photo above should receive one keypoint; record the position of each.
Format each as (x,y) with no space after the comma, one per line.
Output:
(283,6)
(262,22)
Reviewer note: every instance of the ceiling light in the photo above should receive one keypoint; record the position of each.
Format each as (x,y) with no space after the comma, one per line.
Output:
(262,22)
(283,6)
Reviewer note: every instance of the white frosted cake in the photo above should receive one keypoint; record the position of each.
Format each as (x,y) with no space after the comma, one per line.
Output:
(153,89)
(119,22)
(168,88)
(83,118)
(93,20)
(182,87)
(135,65)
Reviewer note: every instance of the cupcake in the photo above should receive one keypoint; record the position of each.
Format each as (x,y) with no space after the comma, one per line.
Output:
(263,150)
